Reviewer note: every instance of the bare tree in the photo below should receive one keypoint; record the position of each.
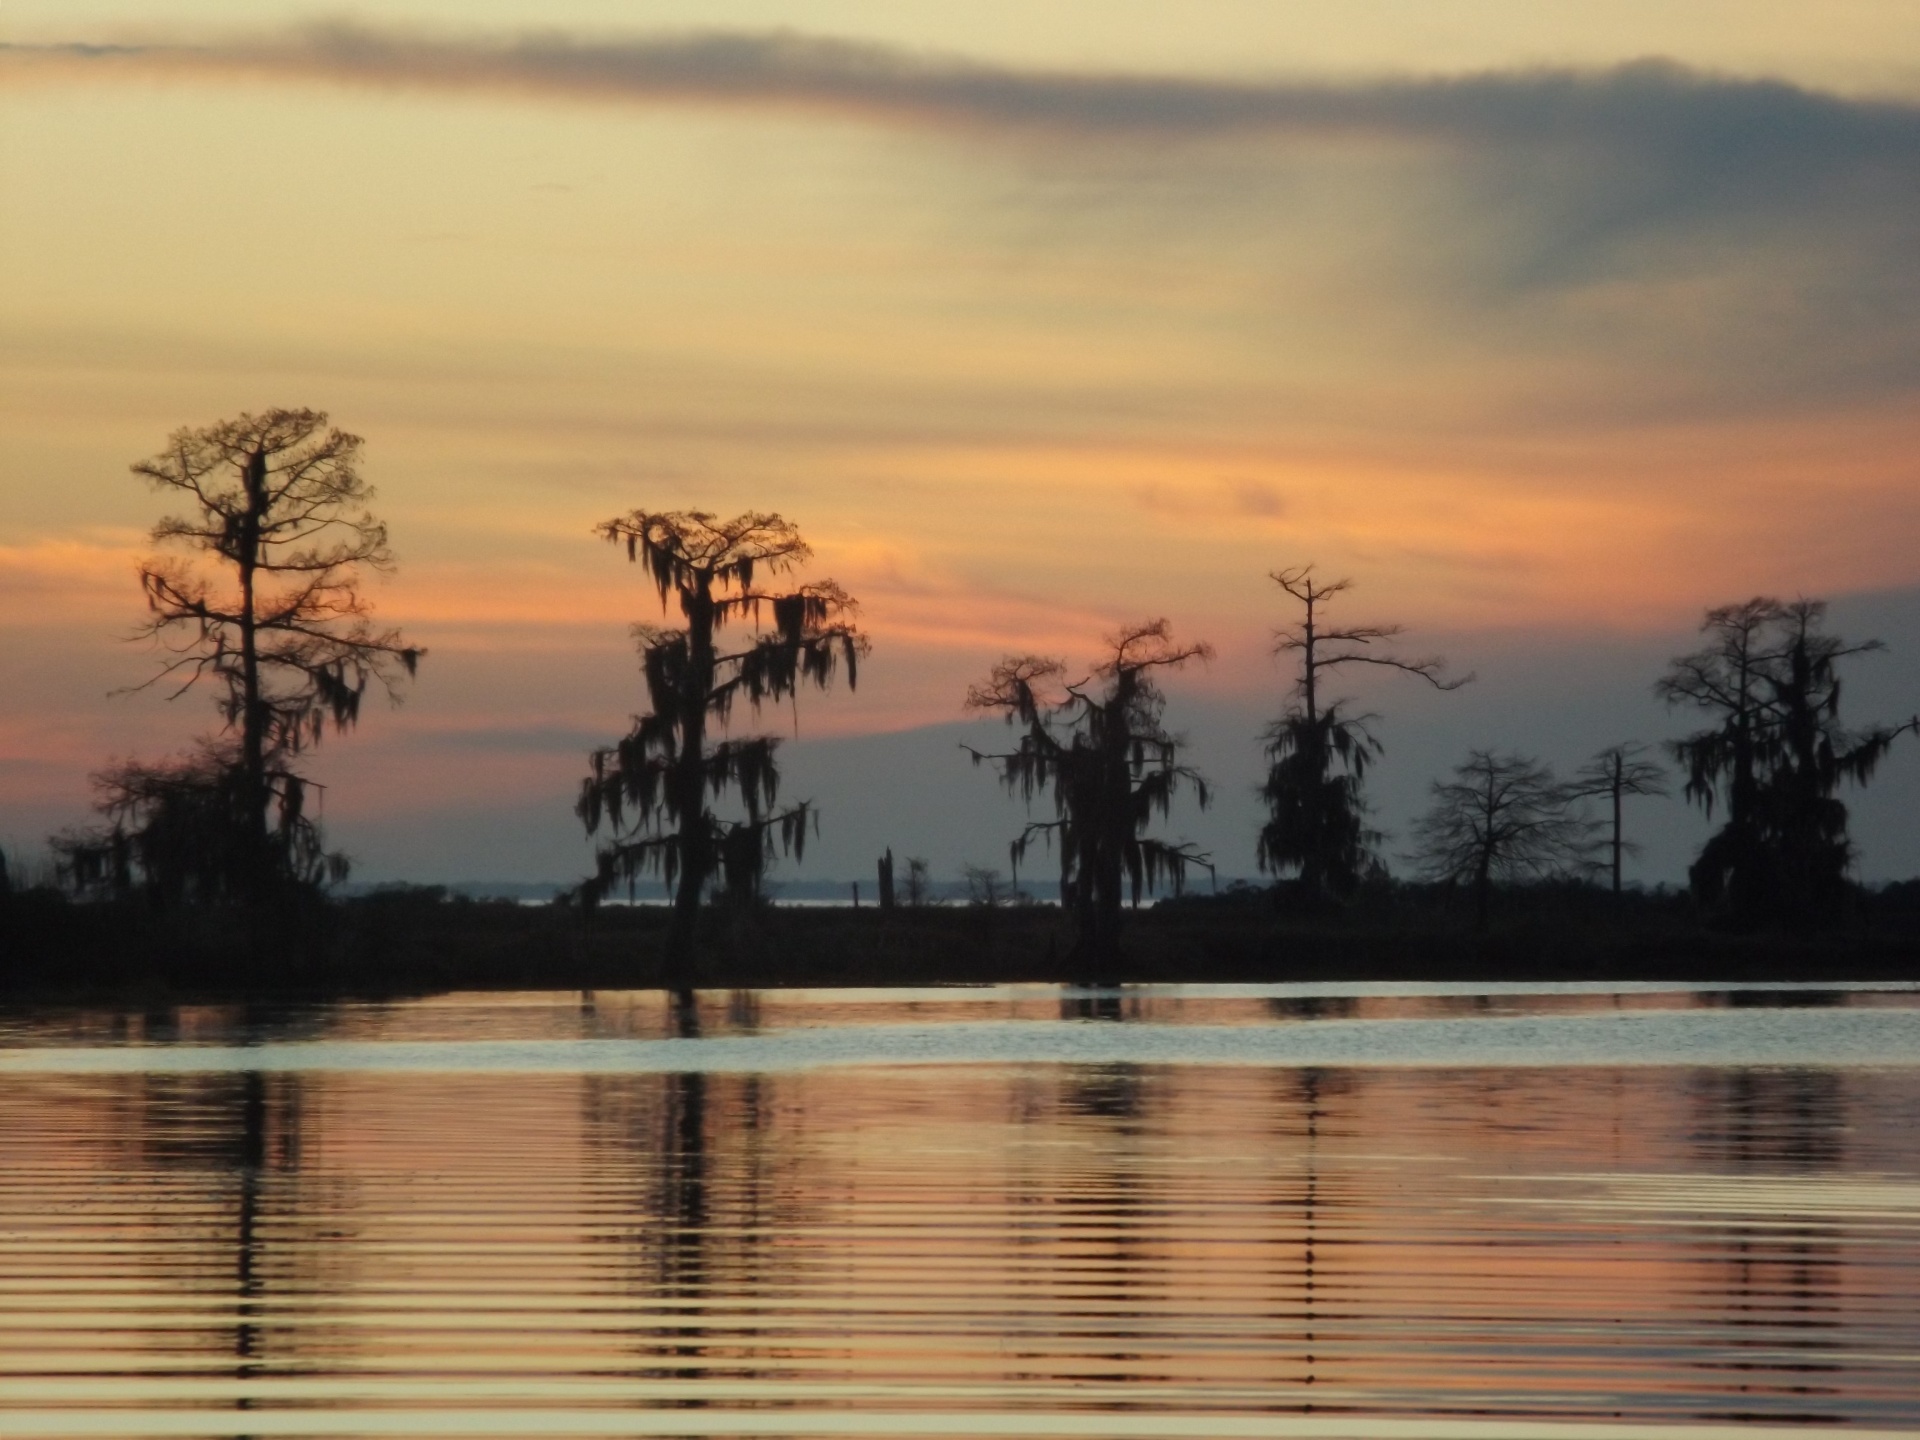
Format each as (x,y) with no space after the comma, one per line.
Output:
(655,787)
(266,607)
(1319,752)
(1777,753)
(987,888)
(1615,773)
(1098,744)
(1501,818)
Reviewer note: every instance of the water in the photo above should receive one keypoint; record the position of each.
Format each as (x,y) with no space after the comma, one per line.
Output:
(1420,1212)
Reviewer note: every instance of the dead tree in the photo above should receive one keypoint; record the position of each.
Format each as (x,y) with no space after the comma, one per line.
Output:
(1615,773)
(1319,752)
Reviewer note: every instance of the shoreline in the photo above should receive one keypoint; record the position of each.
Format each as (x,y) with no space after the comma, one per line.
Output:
(62,952)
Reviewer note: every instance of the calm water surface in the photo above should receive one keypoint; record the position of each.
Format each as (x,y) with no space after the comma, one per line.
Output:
(1181,1211)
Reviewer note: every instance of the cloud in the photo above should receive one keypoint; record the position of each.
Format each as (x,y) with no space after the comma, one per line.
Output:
(1230,502)
(1257,500)
(1548,251)
(1576,172)
(1739,127)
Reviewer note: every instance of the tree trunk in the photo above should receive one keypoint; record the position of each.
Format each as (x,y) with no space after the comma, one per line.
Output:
(686,919)
(1616,824)
(689,781)
(1314,800)
(256,862)
(1097,955)
(1744,883)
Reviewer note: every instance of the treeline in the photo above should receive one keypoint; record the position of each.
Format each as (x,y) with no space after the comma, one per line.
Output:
(255,597)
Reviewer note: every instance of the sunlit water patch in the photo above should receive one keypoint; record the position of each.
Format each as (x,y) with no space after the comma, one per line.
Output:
(1341,1211)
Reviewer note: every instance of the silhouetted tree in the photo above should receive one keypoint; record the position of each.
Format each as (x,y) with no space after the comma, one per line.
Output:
(176,831)
(987,888)
(1615,773)
(1099,746)
(1777,753)
(266,607)
(1501,818)
(1728,677)
(654,788)
(1319,752)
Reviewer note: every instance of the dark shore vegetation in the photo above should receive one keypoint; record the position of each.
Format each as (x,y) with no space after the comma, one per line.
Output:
(420,940)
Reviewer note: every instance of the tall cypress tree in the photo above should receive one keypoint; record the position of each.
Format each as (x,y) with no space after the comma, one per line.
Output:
(1776,753)
(655,789)
(265,607)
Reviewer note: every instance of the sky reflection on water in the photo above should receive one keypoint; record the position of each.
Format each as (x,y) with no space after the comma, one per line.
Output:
(1089,1241)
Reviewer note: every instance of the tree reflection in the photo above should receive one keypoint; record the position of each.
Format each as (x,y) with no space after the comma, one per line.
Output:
(1301,1118)
(1312,1007)
(689,1157)
(1756,1121)
(237,1137)
(1104,1246)
(1780,1281)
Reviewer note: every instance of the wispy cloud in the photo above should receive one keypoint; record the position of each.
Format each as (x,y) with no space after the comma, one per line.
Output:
(1227,501)
(1680,112)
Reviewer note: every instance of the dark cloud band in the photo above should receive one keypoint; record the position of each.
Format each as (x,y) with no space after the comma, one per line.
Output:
(1642,100)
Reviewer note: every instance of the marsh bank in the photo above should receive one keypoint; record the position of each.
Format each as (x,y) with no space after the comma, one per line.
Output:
(420,941)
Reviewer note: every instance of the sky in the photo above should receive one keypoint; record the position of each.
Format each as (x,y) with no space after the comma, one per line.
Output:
(1550,325)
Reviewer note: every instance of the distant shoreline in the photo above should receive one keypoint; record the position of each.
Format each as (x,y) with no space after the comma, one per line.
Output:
(410,945)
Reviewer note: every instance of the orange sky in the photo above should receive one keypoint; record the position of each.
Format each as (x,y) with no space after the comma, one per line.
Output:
(1034,323)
